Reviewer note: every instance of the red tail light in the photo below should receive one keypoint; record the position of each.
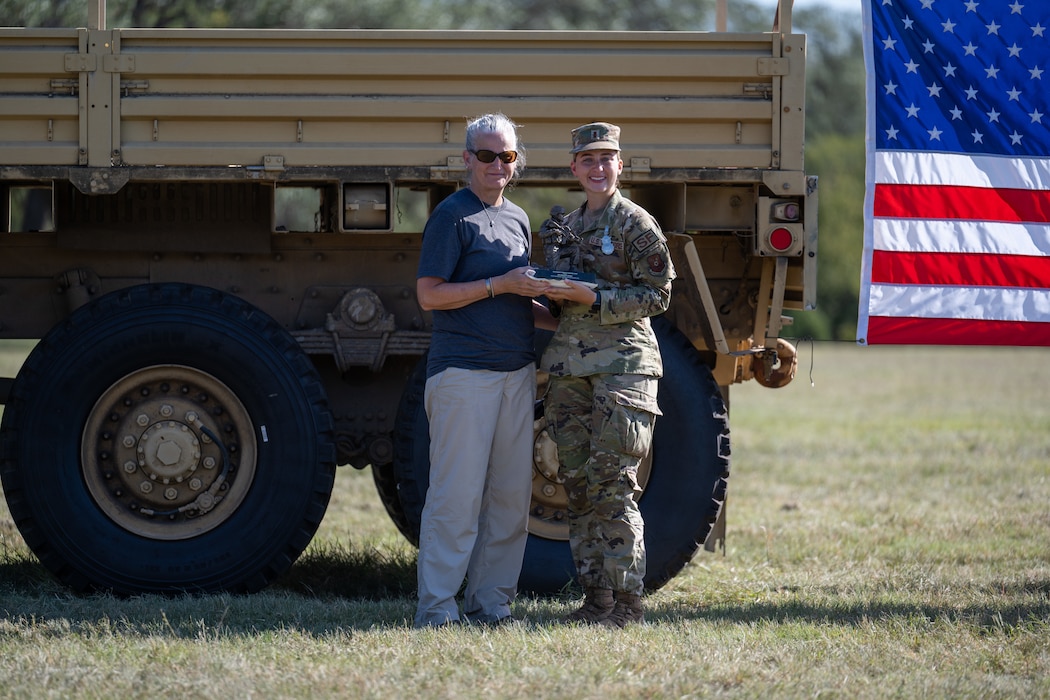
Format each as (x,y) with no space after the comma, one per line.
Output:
(781,239)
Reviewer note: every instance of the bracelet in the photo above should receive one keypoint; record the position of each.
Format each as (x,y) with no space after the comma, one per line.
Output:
(488,287)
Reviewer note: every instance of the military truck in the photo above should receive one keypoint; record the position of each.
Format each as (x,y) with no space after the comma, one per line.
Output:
(211,238)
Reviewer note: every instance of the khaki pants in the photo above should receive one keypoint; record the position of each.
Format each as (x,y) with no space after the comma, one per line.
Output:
(476,512)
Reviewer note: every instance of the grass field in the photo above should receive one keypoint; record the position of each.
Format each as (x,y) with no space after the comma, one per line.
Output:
(889,537)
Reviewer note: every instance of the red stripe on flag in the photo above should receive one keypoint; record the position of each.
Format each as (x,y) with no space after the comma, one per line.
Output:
(961,269)
(884,330)
(970,203)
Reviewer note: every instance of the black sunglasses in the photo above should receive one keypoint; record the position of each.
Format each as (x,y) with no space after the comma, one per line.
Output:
(487,156)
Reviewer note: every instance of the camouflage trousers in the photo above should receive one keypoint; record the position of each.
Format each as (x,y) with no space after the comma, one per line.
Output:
(603,427)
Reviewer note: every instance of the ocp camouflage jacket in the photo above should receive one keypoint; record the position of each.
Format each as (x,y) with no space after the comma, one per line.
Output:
(634,283)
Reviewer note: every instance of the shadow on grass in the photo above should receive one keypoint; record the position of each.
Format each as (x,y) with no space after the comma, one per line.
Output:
(377,588)
(336,571)
(25,575)
(1001,612)
(330,572)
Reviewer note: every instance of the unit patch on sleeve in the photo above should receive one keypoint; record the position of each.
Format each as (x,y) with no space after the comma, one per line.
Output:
(643,243)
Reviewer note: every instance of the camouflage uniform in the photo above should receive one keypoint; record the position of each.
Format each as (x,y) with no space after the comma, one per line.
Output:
(603,363)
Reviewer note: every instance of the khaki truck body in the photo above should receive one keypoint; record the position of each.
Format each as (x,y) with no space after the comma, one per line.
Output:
(214,234)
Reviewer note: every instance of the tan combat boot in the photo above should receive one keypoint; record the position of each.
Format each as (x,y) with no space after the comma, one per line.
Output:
(597,604)
(627,611)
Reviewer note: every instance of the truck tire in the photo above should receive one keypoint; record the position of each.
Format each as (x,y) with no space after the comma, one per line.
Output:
(683,494)
(167,438)
(386,486)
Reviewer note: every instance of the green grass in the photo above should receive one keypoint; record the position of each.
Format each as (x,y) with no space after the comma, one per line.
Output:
(889,537)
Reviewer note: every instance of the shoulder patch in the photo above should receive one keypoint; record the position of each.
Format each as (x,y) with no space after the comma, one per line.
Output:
(657,264)
(644,242)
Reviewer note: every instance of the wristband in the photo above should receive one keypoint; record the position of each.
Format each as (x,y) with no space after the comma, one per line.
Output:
(488,287)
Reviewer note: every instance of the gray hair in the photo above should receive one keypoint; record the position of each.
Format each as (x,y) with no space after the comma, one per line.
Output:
(495,123)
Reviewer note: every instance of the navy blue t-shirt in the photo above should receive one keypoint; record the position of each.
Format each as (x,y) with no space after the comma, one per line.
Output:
(465,241)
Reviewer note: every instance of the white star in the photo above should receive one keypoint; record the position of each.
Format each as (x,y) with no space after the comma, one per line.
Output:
(1016,8)
(949,71)
(971,50)
(934,90)
(891,88)
(935,134)
(949,27)
(993,28)
(912,66)
(971,6)
(1036,116)
(991,72)
(891,134)
(1036,73)
(927,47)
(1015,138)
(912,110)
(1037,30)
(956,113)
(1015,95)
(971,93)
(1014,50)
(978,137)
(888,43)
(908,21)
(927,4)
(993,116)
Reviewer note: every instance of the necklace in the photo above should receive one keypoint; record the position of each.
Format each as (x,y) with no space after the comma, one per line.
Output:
(492,219)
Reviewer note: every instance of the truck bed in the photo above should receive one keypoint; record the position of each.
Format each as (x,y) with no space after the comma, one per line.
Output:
(280,98)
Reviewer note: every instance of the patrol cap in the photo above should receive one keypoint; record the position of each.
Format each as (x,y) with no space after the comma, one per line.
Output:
(596,136)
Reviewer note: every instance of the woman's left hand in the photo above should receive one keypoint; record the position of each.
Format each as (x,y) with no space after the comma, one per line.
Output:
(519,281)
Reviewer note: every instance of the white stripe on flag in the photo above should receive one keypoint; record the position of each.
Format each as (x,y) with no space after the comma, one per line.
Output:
(930,168)
(940,236)
(976,303)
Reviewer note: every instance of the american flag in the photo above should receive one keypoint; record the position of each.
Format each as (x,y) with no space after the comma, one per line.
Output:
(957,210)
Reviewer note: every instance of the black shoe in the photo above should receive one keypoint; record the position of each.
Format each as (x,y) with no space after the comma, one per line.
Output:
(489,620)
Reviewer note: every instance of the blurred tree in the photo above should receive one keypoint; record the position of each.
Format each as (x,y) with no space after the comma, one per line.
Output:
(43,13)
(835,152)
(403,14)
(838,160)
(835,73)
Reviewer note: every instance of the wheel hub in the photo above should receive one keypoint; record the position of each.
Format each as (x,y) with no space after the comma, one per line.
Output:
(150,461)
(169,451)
(549,515)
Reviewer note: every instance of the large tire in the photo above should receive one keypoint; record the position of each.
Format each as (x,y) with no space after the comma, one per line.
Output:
(684,489)
(411,463)
(386,486)
(167,438)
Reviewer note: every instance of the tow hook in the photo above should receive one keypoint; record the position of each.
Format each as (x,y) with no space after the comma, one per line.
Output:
(774,369)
